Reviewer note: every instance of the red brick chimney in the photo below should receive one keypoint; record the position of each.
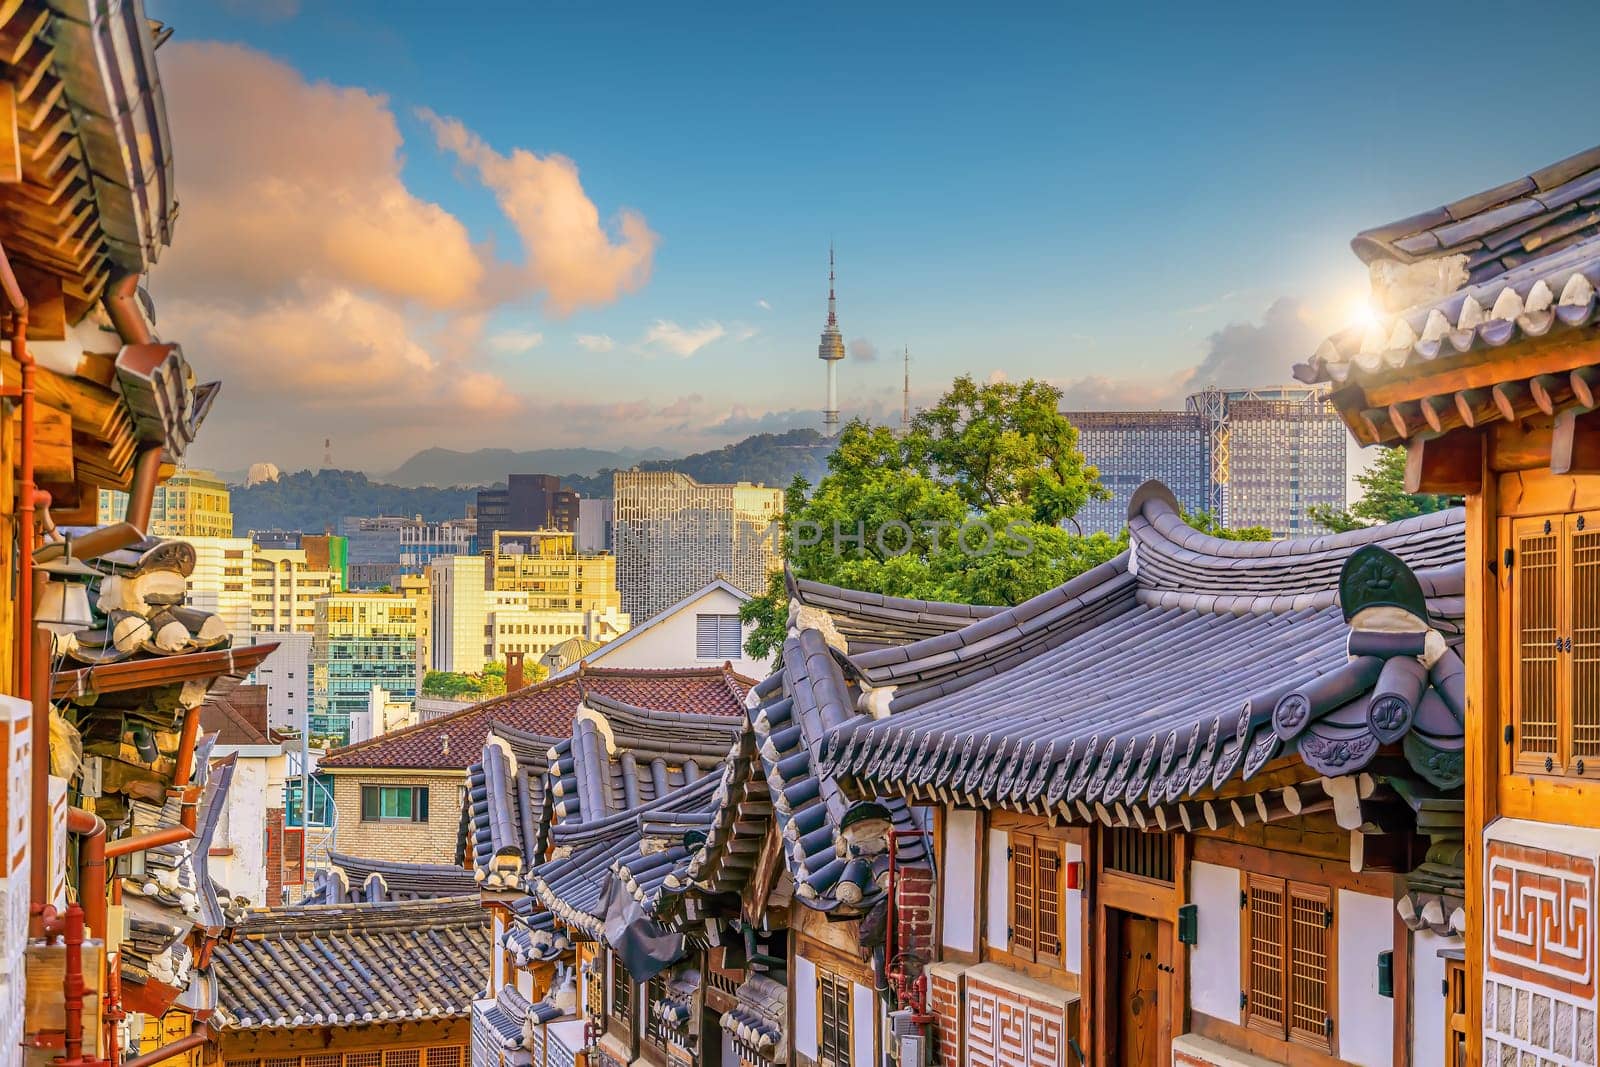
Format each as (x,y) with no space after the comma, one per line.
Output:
(514,671)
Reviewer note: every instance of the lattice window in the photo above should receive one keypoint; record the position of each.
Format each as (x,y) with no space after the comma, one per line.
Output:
(363,1059)
(1584,542)
(655,1032)
(1038,914)
(281,1061)
(1535,590)
(833,1020)
(621,993)
(1553,568)
(1455,1013)
(1133,851)
(402,1057)
(1264,948)
(1288,960)
(326,1059)
(452,1056)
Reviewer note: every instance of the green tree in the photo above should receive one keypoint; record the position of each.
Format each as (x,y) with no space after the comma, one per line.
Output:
(452,685)
(1383,497)
(1206,523)
(966,506)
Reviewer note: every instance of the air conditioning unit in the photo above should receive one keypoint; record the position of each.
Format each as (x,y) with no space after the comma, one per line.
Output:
(909,1039)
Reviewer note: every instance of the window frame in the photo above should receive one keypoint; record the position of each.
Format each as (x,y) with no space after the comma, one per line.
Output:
(1557,688)
(1024,936)
(625,1014)
(419,803)
(835,992)
(1289,892)
(726,638)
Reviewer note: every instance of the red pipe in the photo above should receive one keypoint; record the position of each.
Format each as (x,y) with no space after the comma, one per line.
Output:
(127,846)
(39,868)
(72,983)
(180,776)
(91,867)
(201,1035)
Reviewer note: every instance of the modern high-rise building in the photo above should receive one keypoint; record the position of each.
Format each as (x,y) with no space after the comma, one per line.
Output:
(360,640)
(287,675)
(221,581)
(473,625)
(545,565)
(1249,457)
(284,588)
(328,552)
(596,517)
(1286,455)
(373,538)
(1129,448)
(674,535)
(528,502)
(423,542)
(191,504)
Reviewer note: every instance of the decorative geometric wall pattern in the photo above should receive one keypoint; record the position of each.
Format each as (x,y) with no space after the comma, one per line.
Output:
(1007,1029)
(1540,1004)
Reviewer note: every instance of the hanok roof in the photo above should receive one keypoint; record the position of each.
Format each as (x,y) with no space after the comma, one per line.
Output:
(1166,672)
(322,964)
(1520,261)
(358,879)
(455,741)
(869,621)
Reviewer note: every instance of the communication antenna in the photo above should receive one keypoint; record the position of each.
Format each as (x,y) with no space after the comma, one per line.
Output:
(905,401)
(327,453)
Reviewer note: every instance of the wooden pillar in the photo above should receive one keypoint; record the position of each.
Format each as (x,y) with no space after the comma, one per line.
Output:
(1483,727)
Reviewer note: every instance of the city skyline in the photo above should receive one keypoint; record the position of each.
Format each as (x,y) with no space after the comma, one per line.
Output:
(1004,200)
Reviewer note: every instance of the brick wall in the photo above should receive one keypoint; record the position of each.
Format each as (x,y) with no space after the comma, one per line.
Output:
(409,842)
(945,1003)
(274,857)
(914,905)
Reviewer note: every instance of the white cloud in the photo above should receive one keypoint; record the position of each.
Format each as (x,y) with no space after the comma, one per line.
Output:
(515,342)
(681,341)
(763,305)
(596,342)
(863,350)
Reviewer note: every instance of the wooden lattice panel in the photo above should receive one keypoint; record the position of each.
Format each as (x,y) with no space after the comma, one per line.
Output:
(1535,586)
(1264,1002)
(1022,898)
(1048,895)
(1584,616)
(1308,963)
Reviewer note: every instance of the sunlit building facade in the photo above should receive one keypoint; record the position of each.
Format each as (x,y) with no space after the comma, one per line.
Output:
(360,640)
(674,535)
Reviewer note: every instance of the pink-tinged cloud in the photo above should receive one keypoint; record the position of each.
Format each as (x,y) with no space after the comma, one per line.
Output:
(570,256)
(289,183)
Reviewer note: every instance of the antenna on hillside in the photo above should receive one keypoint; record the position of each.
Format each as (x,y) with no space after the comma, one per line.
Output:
(327,453)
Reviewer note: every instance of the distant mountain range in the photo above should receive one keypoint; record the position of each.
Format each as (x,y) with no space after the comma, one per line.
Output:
(314,501)
(488,466)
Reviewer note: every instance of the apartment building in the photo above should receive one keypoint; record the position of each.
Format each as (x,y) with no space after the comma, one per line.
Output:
(221,581)
(192,503)
(545,565)
(422,542)
(675,535)
(284,588)
(1129,448)
(360,640)
(528,502)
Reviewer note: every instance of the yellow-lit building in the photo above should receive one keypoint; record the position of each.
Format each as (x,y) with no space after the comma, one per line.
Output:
(192,504)
(545,565)
(360,640)
(284,588)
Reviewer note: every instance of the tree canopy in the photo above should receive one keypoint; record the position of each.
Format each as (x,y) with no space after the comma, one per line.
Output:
(965,506)
(453,685)
(1383,497)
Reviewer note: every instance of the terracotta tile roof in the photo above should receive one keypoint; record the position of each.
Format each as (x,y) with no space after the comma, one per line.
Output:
(454,742)
(237,718)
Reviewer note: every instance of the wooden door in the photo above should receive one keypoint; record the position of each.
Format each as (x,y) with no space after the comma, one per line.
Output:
(1581,681)
(1536,636)
(1137,984)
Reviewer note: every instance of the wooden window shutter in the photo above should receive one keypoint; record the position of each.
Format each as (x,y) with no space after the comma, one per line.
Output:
(1583,630)
(1024,925)
(1310,945)
(1047,899)
(1264,955)
(1535,628)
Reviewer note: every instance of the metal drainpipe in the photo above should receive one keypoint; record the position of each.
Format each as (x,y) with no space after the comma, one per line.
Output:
(91,867)
(39,868)
(121,302)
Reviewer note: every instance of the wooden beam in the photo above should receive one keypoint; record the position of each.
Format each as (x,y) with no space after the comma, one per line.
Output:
(1448,464)
(1585,381)
(1575,443)
(1484,368)
(1515,400)
(10,136)
(1406,418)
(1551,391)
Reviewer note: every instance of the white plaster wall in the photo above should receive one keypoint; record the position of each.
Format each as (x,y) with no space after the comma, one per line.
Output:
(244,873)
(863,1016)
(997,904)
(1214,960)
(525,984)
(805,1007)
(729,1054)
(1072,934)
(960,876)
(497,958)
(671,641)
(1366,1020)
(1427,996)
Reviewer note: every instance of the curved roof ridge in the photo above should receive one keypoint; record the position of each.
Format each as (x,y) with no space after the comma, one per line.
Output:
(870,621)
(581,833)
(1039,621)
(646,718)
(1179,566)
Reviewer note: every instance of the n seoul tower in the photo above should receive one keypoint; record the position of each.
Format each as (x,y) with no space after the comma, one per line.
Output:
(831,351)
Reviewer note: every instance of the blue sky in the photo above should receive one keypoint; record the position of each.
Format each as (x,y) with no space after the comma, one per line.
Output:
(1045,190)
